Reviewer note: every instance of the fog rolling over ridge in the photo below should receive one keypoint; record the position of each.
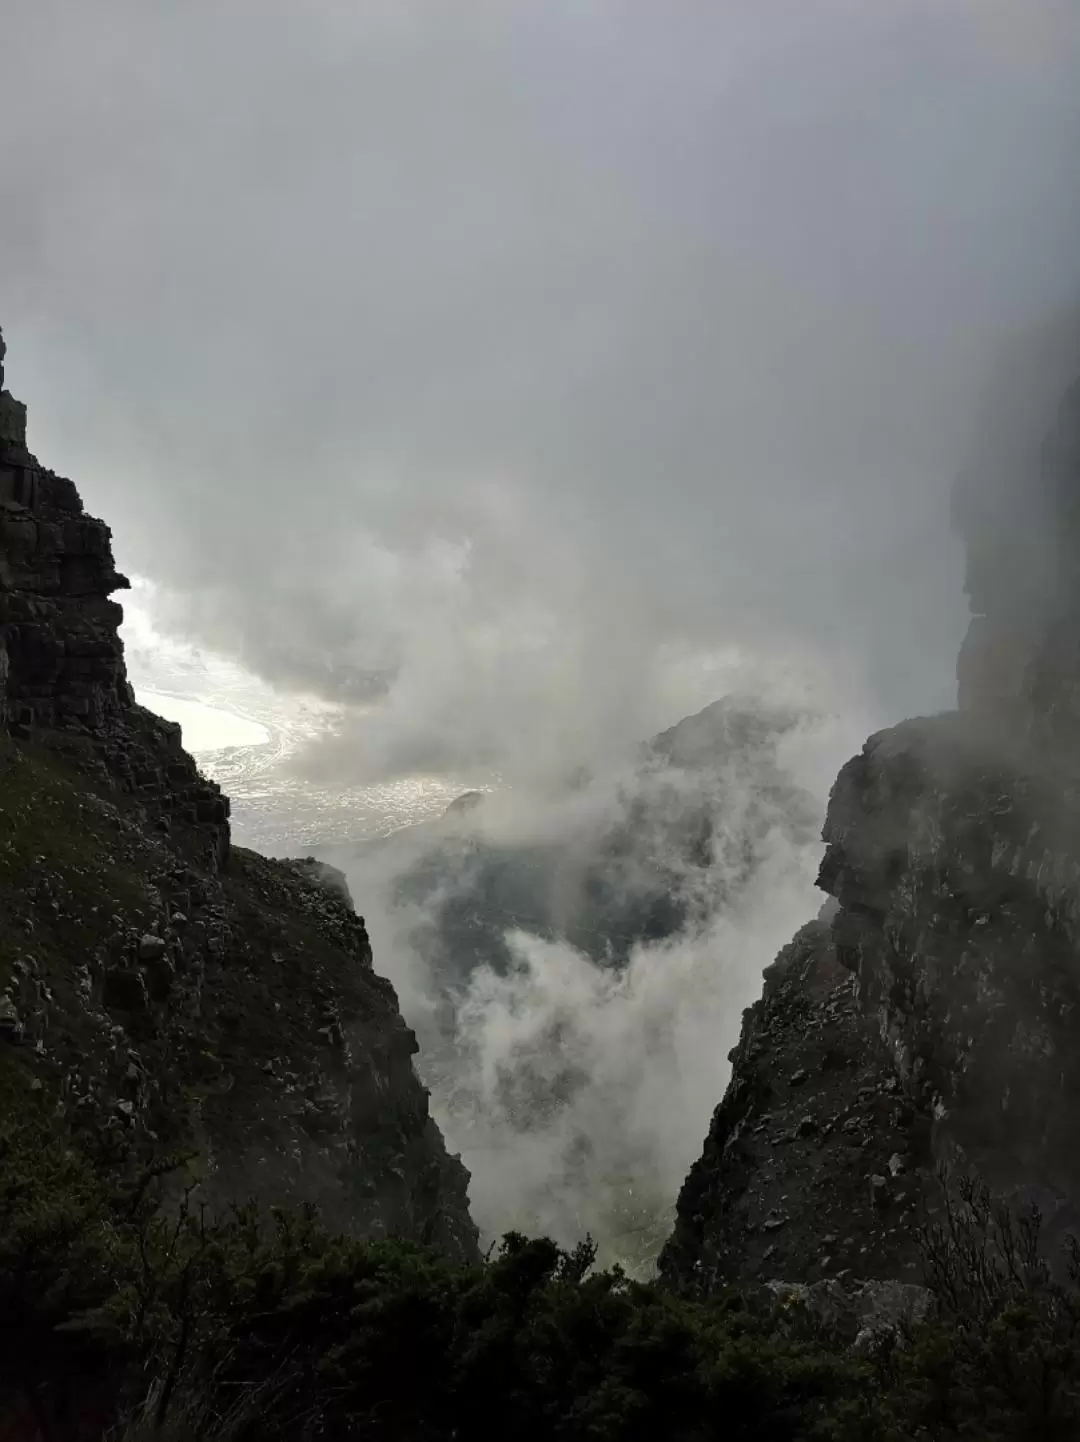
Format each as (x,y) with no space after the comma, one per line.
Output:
(576,962)
(481,390)
(512,362)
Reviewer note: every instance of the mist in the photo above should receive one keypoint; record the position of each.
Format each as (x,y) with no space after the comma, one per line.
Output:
(508,381)
(492,370)
(576,961)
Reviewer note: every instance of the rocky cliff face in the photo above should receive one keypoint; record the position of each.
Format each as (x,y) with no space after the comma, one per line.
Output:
(931,1018)
(154,980)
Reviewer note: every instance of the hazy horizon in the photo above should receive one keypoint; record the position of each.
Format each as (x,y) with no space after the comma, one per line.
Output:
(533,370)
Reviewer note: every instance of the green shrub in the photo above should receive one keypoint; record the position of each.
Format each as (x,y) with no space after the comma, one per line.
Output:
(1000,1357)
(128,1312)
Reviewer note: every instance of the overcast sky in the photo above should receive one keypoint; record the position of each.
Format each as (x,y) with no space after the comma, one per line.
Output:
(533,355)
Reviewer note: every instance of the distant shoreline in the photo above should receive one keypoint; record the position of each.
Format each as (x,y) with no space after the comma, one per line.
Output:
(205,727)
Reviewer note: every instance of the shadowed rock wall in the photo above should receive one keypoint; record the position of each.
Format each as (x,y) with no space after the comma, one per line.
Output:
(933,1019)
(154,980)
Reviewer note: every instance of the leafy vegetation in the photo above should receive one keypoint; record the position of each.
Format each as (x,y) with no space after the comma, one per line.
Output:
(127,1312)
(1000,1359)
(130,1313)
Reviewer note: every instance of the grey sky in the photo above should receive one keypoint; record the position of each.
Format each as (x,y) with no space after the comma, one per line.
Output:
(530,354)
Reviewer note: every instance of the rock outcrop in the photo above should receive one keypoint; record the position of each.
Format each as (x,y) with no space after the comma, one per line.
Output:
(813,1166)
(154,979)
(933,1020)
(62,669)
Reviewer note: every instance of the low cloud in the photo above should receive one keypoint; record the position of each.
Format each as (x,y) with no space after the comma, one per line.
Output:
(575,1054)
(493,372)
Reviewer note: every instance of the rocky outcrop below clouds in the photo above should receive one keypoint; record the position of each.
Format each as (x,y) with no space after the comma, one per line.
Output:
(929,1024)
(154,980)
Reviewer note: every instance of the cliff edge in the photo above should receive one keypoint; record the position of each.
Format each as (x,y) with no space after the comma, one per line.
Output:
(929,1018)
(155,980)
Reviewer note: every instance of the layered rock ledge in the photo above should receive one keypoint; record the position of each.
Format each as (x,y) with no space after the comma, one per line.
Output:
(155,980)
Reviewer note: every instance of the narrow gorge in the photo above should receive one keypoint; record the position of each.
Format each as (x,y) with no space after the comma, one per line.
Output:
(159,982)
(166,994)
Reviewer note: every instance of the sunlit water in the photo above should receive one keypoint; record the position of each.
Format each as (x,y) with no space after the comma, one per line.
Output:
(247,738)
(206,728)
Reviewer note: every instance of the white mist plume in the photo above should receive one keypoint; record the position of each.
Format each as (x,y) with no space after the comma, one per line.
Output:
(459,362)
(579,1091)
(639,1056)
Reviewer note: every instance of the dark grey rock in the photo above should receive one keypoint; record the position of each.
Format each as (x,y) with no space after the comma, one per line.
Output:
(953,864)
(151,947)
(209,961)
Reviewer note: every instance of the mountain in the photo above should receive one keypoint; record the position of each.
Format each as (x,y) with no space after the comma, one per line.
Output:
(156,982)
(610,863)
(928,1023)
(162,992)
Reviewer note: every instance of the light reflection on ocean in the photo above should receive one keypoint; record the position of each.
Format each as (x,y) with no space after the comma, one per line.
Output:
(281,816)
(218,704)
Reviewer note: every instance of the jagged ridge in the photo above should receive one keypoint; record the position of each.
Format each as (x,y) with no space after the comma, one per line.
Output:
(154,979)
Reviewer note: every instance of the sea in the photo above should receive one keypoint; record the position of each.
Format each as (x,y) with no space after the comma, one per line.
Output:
(252,740)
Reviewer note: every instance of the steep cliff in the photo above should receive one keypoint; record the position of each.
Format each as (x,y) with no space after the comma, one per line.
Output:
(932,1018)
(153,979)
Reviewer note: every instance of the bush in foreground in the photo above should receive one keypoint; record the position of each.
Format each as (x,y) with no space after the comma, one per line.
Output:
(129,1313)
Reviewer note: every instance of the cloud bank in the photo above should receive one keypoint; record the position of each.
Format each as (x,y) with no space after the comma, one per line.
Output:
(576,964)
(511,372)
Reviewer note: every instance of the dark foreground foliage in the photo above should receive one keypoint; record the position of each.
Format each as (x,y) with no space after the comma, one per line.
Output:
(1000,1359)
(127,1313)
